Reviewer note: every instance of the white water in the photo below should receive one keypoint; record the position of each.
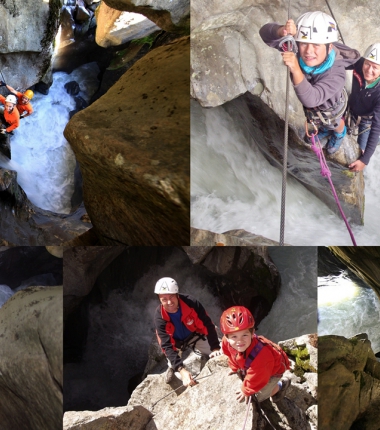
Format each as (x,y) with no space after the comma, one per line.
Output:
(41,155)
(347,307)
(234,187)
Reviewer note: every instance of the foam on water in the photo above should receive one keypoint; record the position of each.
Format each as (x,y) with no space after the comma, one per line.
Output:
(41,155)
(234,187)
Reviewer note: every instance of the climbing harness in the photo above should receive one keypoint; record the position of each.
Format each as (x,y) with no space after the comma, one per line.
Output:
(352,124)
(326,117)
(325,171)
(190,341)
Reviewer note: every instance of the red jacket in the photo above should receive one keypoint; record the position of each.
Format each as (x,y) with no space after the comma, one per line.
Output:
(269,362)
(13,118)
(194,317)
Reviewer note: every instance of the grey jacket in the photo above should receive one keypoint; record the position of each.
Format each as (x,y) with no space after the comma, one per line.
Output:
(322,91)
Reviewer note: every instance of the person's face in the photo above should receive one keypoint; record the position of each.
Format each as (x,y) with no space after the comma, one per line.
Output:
(9,106)
(240,340)
(371,71)
(24,100)
(169,302)
(312,54)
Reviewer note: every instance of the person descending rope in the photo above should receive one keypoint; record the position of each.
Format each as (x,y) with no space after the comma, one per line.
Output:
(11,119)
(259,362)
(24,106)
(181,322)
(317,70)
(364,105)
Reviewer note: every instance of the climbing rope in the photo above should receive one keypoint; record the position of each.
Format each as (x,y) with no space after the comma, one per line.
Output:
(246,414)
(325,171)
(334,20)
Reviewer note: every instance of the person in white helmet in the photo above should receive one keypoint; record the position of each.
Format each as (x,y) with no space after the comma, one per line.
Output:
(11,119)
(317,70)
(364,104)
(182,322)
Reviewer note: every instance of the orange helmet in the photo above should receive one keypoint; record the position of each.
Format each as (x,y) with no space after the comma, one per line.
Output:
(236,318)
(29,94)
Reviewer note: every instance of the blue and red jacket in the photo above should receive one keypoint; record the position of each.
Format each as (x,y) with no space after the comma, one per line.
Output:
(195,319)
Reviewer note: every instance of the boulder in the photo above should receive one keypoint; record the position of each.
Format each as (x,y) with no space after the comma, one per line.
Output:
(349,384)
(136,172)
(238,237)
(363,261)
(22,223)
(115,27)
(26,54)
(171,16)
(31,360)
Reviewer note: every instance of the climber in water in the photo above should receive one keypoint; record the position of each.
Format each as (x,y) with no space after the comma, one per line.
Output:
(11,117)
(181,322)
(24,106)
(317,70)
(257,361)
(364,105)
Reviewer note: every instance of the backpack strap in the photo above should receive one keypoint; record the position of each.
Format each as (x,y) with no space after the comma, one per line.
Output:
(253,354)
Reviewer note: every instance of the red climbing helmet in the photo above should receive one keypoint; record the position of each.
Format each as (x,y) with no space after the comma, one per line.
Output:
(236,318)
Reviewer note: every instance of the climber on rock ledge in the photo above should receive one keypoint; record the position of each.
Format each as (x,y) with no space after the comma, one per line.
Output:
(181,322)
(24,106)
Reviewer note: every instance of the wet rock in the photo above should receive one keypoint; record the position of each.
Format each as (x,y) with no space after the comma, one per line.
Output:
(31,360)
(229,238)
(67,25)
(72,88)
(365,264)
(42,88)
(149,204)
(115,27)
(171,16)
(82,14)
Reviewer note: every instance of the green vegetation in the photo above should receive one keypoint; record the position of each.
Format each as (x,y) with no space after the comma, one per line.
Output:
(147,39)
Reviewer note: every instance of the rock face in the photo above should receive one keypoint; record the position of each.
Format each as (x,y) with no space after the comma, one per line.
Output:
(27,31)
(363,261)
(22,223)
(171,16)
(349,383)
(115,27)
(135,160)
(31,360)
(229,59)
(211,404)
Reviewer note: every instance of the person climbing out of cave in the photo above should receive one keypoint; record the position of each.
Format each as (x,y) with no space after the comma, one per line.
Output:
(317,69)
(364,105)
(182,322)
(11,117)
(24,106)
(258,362)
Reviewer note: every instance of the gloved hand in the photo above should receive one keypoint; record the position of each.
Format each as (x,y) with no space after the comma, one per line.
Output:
(2,84)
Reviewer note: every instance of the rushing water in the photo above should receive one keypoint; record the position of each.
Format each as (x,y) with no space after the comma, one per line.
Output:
(234,187)
(347,306)
(41,155)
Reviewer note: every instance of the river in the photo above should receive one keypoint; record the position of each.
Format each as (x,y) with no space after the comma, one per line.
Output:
(41,156)
(234,187)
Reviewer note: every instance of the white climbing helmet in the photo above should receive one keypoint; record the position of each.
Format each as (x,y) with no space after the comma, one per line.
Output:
(166,286)
(11,99)
(316,27)
(372,53)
